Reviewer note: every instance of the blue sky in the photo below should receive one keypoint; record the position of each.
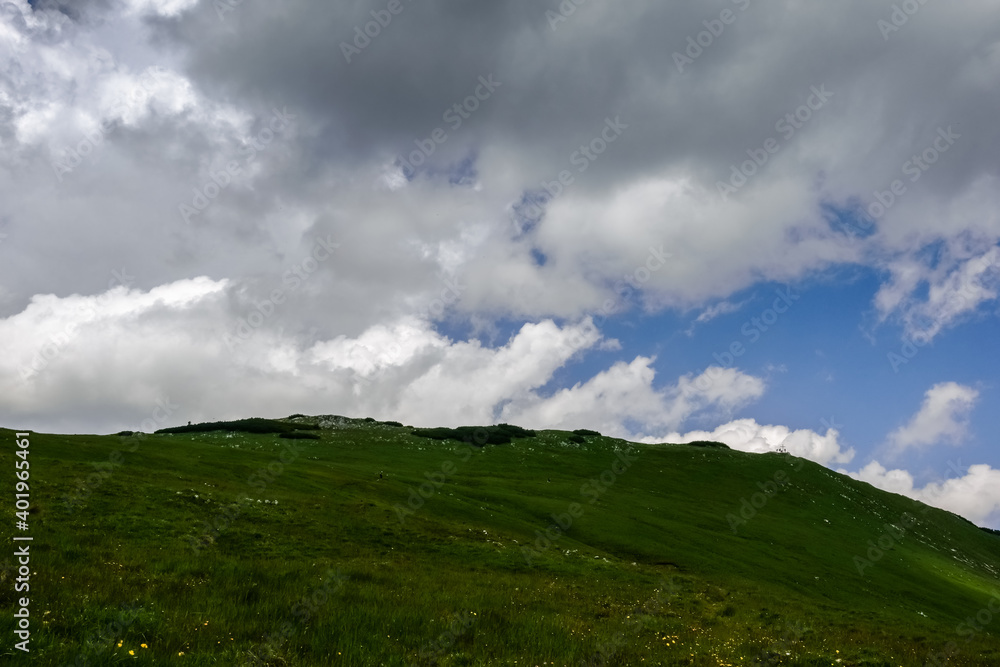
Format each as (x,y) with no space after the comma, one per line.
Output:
(826,361)
(213,210)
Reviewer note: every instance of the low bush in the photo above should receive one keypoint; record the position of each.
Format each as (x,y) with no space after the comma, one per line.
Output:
(255,425)
(707,443)
(501,434)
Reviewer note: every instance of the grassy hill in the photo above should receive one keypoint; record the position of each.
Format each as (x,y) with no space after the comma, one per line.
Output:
(335,541)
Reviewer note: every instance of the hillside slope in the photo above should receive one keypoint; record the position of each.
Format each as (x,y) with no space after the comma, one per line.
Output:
(355,542)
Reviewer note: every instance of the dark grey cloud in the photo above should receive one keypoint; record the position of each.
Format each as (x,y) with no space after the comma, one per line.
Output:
(201,133)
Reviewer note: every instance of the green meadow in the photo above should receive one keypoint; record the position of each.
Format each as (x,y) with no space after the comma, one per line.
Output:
(336,541)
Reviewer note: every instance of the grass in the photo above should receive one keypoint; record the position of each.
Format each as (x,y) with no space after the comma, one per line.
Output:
(223,547)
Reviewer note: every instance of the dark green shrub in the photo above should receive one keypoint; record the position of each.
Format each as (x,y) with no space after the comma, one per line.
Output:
(586,431)
(501,434)
(578,439)
(254,425)
(707,443)
(393,424)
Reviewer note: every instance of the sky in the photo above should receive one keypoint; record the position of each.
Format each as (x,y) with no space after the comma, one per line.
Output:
(768,224)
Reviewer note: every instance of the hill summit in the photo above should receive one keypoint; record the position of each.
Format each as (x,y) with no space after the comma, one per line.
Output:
(322,540)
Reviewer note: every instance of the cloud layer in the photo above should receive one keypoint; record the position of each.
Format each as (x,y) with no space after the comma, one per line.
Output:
(747,435)
(974,494)
(119,353)
(678,133)
(942,418)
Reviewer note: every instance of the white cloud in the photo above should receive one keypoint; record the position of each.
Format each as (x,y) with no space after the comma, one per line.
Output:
(655,185)
(713,311)
(625,394)
(118,351)
(162,7)
(379,347)
(956,288)
(468,381)
(943,418)
(108,352)
(631,197)
(975,495)
(173,341)
(747,435)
